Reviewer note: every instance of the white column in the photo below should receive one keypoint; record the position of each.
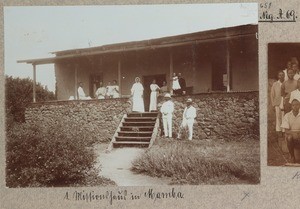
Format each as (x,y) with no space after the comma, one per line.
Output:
(194,54)
(76,81)
(120,77)
(228,66)
(34,82)
(171,72)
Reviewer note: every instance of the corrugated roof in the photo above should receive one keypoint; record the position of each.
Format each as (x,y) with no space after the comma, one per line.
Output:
(184,39)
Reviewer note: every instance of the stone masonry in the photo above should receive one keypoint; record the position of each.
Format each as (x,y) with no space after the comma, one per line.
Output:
(219,115)
(100,117)
(227,116)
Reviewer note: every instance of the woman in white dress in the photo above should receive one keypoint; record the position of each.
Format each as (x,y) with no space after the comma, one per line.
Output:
(137,92)
(101,91)
(153,96)
(115,90)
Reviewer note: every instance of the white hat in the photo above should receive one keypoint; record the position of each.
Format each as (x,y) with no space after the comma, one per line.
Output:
(296,99)
(189,100)
(167,95)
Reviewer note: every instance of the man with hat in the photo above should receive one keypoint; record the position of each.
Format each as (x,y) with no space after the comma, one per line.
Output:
(291,124)
(167,109)
(188,118)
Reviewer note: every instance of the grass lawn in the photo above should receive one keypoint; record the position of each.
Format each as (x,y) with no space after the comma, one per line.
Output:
(202,161)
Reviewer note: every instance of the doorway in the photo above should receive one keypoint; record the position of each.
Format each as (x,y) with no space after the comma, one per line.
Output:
(219,74)
(147,81)
(94,84)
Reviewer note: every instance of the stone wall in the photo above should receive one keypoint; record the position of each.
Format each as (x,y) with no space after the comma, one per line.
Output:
(100,117)
(225,116)
(219,115)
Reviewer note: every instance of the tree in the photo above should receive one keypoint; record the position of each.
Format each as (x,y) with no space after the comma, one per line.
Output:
(19,94)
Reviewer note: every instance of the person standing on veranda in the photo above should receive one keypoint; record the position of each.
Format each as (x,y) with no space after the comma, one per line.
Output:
(167,110)
(109,90)
(101,91)
(188,118)
(115,92)
(137,93)
(276,101)
(81,94)
(164,89)
(153,96)
(182,84)
(175,85)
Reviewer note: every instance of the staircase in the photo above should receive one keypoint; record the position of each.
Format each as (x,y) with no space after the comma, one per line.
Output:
(136,130)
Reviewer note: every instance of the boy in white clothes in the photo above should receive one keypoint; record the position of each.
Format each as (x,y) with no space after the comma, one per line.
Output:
(188,118)
(167,109)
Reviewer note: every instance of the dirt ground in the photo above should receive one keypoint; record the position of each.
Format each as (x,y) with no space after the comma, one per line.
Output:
(116,165)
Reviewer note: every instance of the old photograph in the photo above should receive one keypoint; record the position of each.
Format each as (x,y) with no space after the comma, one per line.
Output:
(137,95)
(284,104)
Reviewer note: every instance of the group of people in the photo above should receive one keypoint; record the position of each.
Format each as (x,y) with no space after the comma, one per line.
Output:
(167,108)
(188,117)
(110,91)
(178,87)
(137,92)
(285,98)
(137,95)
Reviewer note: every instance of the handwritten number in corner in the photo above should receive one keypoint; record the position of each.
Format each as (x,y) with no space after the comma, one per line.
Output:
(281,16)
(266,5)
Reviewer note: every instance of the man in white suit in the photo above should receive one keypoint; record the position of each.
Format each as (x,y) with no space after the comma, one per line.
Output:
(188,118)
(167,109)
(276,101)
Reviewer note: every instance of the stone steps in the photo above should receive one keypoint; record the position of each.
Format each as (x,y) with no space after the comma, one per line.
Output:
(140,119)
(135,134)
(130,144)
(140,124)
(144,114)
(133,138)
(135,130)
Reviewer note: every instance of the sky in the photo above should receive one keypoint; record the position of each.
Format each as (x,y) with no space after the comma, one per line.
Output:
(33,32)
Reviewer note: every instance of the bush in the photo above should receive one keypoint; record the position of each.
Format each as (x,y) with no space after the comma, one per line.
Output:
(19,94)
(52,156)
(202,162)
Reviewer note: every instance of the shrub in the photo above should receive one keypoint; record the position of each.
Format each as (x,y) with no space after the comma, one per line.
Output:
(52,156)
(18,95)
